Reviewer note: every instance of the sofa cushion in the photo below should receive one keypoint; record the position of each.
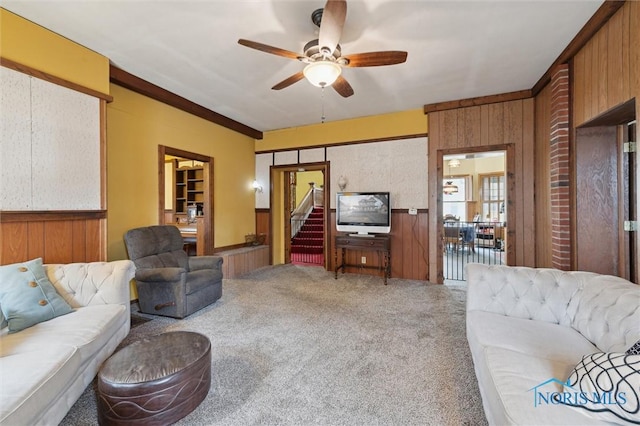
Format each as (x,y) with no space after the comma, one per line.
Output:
(535,338)
(87,329)
(607,385)
(607,312)
(32,379)
(523,388)
(27,297)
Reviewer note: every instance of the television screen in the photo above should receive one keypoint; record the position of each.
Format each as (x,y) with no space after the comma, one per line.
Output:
(363,212)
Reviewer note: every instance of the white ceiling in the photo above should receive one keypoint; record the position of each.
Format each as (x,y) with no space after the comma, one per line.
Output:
(456,49)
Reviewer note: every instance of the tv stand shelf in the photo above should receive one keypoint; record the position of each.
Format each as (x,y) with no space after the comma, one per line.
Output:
(377,243)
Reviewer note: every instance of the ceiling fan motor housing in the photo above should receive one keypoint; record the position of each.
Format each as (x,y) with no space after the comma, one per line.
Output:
(312,51)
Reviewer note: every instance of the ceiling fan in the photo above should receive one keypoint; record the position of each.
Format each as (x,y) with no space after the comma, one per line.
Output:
(323,55)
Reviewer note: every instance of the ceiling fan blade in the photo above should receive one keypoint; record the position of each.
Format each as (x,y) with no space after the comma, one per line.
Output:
(289,81)
(376,59)
(333,17)
(269,49)
(343,87)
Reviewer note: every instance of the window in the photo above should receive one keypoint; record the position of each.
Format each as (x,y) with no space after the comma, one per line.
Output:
(456,203)
(492,197)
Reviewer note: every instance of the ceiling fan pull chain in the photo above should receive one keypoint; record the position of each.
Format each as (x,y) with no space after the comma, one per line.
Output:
(322,101)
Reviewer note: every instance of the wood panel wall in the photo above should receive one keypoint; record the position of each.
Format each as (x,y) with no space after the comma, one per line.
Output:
(475,128)
(409,248)
(55,237)
(241,261)
(542,178)
(263,224)
(606,71)
(606,75)
(409,244)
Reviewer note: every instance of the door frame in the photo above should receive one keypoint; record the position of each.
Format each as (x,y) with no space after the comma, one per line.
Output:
(280,194)
(510,183)
(207,161)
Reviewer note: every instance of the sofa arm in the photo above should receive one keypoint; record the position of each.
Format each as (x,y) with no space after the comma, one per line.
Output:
(205,262)
(160,274)
(93,283)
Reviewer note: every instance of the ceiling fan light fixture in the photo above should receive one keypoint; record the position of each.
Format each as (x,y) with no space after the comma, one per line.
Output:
(322,73)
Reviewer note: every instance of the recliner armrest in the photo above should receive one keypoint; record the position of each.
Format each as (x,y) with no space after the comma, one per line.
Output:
(205,262)
(160,274)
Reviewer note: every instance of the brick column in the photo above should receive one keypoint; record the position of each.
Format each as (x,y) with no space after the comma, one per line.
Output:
(559,169)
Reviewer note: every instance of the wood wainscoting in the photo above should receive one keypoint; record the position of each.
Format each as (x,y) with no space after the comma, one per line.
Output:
(55,236)
(241,261)
(409,244)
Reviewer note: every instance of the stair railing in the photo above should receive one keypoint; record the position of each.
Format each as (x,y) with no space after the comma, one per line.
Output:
(314,197)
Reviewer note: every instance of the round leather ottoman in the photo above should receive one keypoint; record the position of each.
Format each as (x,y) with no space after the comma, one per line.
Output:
(155,381)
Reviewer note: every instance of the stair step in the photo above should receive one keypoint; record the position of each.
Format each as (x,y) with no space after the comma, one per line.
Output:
(310,237)
(306,241)
(309,250)
(310,234)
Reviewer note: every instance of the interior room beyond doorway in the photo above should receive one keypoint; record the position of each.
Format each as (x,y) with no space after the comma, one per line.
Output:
(474,211)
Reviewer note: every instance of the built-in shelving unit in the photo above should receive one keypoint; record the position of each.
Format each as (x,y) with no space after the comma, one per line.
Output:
(189,189)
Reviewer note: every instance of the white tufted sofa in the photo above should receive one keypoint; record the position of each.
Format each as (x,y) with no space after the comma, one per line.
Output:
(527,326)
(45,368)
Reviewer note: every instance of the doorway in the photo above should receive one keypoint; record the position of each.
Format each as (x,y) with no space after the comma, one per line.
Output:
(474,211)
(185,195)
(606,194)
(307,217)
(293,199)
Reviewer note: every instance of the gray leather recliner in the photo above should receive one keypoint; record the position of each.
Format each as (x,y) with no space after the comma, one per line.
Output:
(169,282)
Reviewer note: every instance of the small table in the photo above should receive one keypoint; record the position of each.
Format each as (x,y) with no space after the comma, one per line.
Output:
(157,380)
(378,243)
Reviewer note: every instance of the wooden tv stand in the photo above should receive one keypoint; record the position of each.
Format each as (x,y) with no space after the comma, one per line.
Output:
(377,243)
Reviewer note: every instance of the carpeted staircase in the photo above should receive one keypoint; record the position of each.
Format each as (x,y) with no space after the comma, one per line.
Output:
(310,239)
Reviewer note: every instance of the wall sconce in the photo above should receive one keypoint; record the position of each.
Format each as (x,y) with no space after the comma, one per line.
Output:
(342,182)
(454,163)
(256,186)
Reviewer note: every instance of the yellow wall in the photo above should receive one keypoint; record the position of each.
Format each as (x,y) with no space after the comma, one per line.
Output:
(398,124)
(476,167)
(28,44)
(302,183)
(136,125)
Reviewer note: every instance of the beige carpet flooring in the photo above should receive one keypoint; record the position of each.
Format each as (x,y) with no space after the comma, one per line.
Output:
(293,346)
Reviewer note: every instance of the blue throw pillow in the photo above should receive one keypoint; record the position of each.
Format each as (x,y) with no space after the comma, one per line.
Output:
(27,297)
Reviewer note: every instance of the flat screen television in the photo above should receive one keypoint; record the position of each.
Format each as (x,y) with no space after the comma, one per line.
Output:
(363,213)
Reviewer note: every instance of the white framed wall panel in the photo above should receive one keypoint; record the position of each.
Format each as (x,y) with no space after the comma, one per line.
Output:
(315,155)
(284,158)
(263,170)
(398,166)
(55,165)
(15,140)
